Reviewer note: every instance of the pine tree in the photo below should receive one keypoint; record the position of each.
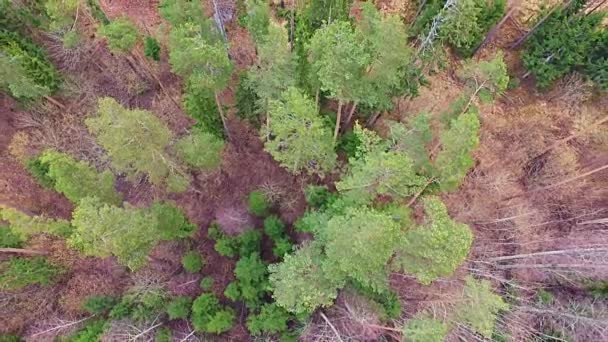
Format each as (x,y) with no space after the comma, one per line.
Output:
(77,180)
(358,245)
(338,61)
(299,284)
(136,141)
(14,79)
(479,306)
(299,139)
(200,150)
(436,248)
(379,172)
(121,34)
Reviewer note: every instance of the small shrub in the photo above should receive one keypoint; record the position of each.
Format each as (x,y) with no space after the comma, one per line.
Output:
(281,247)
(10,338)
(152,48)
(272,319)
(172,223)
(246,100)
(92,331)
(40,172)
(121,34)
(163,335)
(258,204)
(209,316)
(206,284)
(141,304)
(8,239)
(249,242)
(179,307)
(251,284)
(224,245)
(544,297)
(193,262)
(99,304)
(71,40)
(274,227)
(19,273)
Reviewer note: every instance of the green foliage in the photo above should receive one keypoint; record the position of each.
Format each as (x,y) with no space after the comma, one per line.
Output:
(152,48)
(358,245)
(92,331)
(199,57)
(71,40)
(489,76)
(40,172)
(436,248)
(193,262)
(379,172)
(209,316)
(17,16)
(454,160)
(258,203)
(544,297)
(247,100)
(274,227)
(251,282)
(319,197)
(349,144)
(272,319)
(421,328)
(121,34)
(567,41)
(298,136)
(8,239)
(179,307)
(19,272)
(171,223)
(200,104)
(300,284)
(206,284)
(61,12)
(388,300)
(319,12)
(23,225)
(281,247)
(97,305)
(244,244)
(76,179)
(97,12)
(10,338)
(103,230)
(136,141)
(163,334)
(480,306)
(257,19)
(200,149)
(178,12)
(25,71)
(141,303)
(413,139)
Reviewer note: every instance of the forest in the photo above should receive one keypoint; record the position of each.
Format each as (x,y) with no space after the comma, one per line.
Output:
(304,170)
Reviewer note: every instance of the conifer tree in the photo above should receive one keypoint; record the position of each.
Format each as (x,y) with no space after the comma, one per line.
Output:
(436,248)
(421,328)
(121,34)
(258,19)
(299,139)
(24,225)
(479,306)
(136,141)
(200,150)
(178,12)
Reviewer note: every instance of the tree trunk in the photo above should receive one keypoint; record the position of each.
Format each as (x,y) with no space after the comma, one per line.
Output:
(221,111)
(350,115)
(494,30)
(338,117)
(22,251)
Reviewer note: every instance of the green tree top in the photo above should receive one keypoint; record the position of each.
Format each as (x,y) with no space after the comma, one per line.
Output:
(194,54)
(121,33)
(61,12)
(299,138)
(103,230)
(76,179)
(489,76)
(479,306)
(359,244)
(299,284)
(24,225)
(421,328)
(436,248)
(258,19)
(178,12)
(136,141)
(379,172)
(200,149)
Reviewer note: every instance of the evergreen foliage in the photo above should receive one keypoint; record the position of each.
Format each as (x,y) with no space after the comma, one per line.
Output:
(436,248)
(193,262)
(200,104)
(152,48)
(40,172)
(200,150)
(206,284)
(178,12)
(258,203)
(171,223)
(300,284)
(136,141)
(121,34)
(61,12)
(92,331)
(298,137)
(421,328)
(568,41)
(19,272)
(141,303)
(480,306)
(179,307)
(257,19)
(163,334)
(23,225)
(272,319)
(97,305)
(251,281)
(209,316)
(8,239)
(76,179)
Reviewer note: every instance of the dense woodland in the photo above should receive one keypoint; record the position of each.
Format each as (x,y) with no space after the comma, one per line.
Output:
(311,170)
